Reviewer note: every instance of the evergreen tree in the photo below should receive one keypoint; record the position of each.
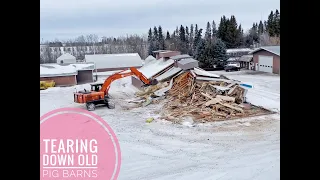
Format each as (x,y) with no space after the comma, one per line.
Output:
(150,42)
(168,36)
(160,38)
(207,35)
(240,36)
(187,42)
(220,52)
(260,28)
(214,29)
(265,25)
(182,38)
(191,37)
(276,22)
(222,28)
(232,35)
(197,39)
(156,38)
(200,53)
(271,25)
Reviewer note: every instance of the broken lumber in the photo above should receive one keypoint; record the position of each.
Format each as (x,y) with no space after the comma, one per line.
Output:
(213,101)
(232,107)
(226,98)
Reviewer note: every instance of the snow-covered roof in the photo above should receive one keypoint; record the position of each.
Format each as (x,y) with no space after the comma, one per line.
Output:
(246,58)
(155,66)
(79,67)
(235,50)
(66,56)
(273,49)
(115,60)
(149,58)
(187,61)
(169,73)
(53,70)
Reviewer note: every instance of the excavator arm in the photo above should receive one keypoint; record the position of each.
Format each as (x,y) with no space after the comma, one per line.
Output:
(133,71)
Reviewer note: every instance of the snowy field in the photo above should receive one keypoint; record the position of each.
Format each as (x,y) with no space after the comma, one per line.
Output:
(245,149)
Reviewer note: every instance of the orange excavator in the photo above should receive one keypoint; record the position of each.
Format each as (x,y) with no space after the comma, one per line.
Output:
(99,91)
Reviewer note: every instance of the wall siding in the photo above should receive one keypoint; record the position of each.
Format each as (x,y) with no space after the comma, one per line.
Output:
(61,80)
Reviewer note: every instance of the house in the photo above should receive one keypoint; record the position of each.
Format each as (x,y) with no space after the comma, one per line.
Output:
(67,75)
(66,59)
(113,62)
(267,59)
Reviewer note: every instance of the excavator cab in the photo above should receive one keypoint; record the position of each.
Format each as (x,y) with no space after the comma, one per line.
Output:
(96,87)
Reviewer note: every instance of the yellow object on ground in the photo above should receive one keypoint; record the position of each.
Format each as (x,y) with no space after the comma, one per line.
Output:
(46,84)
(149,120)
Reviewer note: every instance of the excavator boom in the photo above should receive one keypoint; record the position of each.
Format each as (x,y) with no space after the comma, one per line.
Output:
(99,95)
(122,74)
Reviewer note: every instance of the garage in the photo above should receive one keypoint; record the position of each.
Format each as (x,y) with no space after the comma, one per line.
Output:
(265,63)
(267,59)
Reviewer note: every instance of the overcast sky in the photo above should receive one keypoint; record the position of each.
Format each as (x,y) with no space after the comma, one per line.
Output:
(67,19)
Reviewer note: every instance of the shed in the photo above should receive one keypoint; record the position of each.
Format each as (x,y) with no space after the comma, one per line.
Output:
(267,59)
(66,59)
(61,75)
(112,62)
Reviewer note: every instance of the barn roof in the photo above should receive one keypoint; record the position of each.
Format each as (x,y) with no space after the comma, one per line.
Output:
(53,70)
(272,49)
(115,60)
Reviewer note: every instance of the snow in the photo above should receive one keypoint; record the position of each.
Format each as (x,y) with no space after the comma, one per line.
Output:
(48,70)
(88,66)
(107,73)
(247,148)
(149,58)
(66,56)
(155,66)
(169,73)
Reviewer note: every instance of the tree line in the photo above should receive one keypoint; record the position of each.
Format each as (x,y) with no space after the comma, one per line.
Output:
(206,45)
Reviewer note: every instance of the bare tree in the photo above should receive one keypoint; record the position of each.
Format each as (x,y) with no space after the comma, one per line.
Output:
(266,40)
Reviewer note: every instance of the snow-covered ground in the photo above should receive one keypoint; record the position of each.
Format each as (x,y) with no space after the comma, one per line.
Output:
(237,149)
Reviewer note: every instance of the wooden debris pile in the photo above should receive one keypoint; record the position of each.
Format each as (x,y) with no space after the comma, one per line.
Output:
(148,91)
(204,100)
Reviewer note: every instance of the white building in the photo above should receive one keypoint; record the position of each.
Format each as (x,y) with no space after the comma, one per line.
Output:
(66,59)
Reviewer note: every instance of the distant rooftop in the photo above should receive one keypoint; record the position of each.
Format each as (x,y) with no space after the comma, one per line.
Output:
(273,49)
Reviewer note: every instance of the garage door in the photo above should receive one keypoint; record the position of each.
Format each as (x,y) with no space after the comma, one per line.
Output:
(265,64)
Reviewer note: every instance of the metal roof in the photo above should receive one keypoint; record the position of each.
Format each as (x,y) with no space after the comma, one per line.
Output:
(272,49)
(114,60)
